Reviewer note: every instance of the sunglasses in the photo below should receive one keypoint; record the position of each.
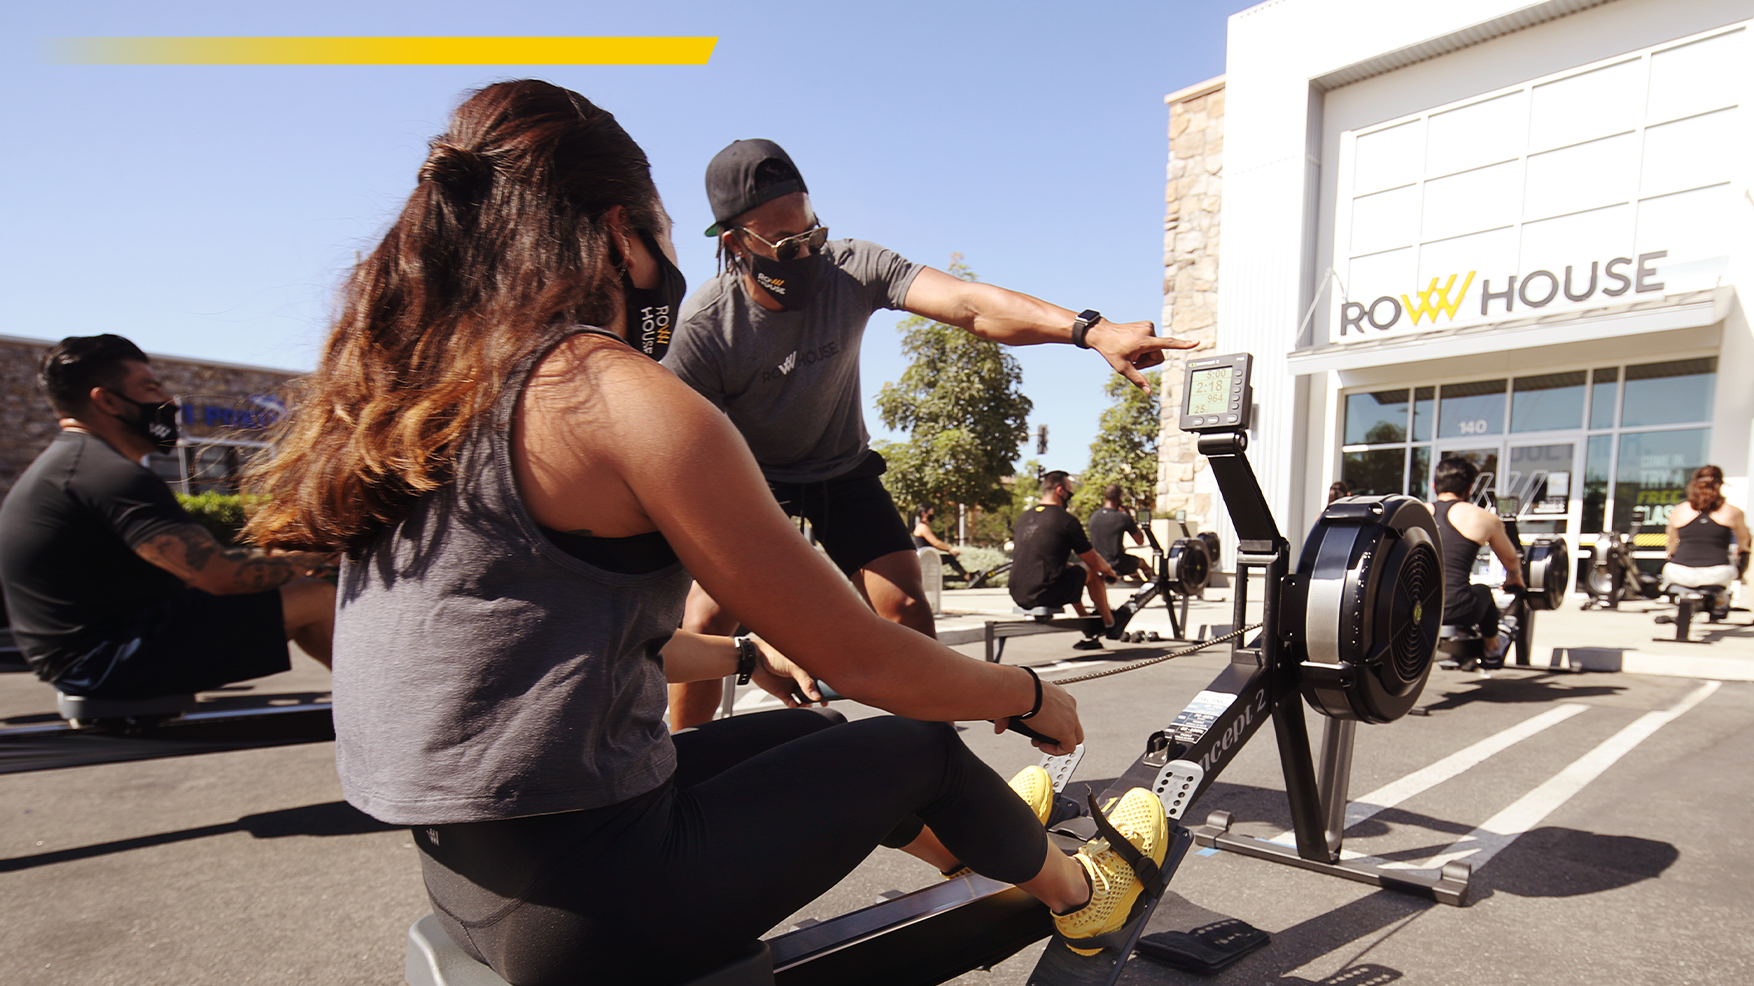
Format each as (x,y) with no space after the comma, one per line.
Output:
(790,248)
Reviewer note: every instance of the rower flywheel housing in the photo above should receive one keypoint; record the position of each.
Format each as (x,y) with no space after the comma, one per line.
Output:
(1189,566)
(1546,569)
(1371,576)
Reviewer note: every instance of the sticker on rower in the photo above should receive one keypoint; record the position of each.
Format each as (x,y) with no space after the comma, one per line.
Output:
(1198,717)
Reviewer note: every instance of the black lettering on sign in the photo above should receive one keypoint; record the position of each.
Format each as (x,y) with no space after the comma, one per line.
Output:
(1394,306)
(1647,272)
(1586,291)
(1546,299)
(1508,294)
(1351,313)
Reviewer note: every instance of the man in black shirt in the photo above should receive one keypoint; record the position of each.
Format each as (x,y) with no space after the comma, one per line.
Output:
(1107,525)
(114,590)
(1042,570)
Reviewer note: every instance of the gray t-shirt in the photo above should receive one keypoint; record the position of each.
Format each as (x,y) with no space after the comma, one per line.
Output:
(483,673)
(790,380)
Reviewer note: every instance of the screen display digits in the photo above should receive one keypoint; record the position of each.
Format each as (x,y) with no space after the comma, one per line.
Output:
(1209,391)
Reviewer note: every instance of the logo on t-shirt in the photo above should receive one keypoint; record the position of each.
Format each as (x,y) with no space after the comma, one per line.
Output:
(808,357)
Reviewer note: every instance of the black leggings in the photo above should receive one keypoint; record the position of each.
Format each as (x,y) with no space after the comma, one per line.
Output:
(765,813)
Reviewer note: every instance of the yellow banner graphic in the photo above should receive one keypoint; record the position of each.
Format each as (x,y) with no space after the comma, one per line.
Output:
(384,51)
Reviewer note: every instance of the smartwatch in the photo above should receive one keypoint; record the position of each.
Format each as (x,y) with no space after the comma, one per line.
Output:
(1081,325)
(746,658)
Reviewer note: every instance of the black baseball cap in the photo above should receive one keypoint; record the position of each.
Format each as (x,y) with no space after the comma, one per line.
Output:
(746,174)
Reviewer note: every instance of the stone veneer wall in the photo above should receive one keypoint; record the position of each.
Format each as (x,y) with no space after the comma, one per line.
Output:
(1190,280)
(28,425)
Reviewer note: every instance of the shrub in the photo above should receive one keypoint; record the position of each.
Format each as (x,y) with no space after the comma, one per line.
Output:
(978,559)
(221,513)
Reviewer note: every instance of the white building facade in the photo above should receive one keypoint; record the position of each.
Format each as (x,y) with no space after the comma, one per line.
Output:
(1513,232)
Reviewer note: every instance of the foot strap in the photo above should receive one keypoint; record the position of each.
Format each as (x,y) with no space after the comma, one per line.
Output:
(1144,867)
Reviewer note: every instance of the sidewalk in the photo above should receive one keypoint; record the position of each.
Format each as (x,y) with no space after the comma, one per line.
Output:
(1628,639)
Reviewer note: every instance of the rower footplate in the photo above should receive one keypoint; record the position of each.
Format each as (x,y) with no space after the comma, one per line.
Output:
(1060,966)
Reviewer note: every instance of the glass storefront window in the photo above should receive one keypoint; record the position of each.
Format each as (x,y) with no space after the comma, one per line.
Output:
(1603,384)
(1484,459)
(1419,472)
(1669,393)
(1549,402)
(1375,418)
(1374,473)
(1424,413)
(1475,408)
(1595,482)
(1651,476)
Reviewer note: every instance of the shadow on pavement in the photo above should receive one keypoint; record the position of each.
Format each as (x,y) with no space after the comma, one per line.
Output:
(1562,862)
(329,818)
(1540,688)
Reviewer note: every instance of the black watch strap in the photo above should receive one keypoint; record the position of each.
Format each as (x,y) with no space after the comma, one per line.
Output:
(1081,326)
(746,655)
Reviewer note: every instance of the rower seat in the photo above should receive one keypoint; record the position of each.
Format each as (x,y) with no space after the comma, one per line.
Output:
(435,960)
(1039,612)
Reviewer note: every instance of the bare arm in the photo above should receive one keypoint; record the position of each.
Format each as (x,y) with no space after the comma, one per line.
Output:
(1499,540)
(1672,533)
(1097,564)
(700,657)
(924,531)
(585,424)
(190,553)
(1016,319)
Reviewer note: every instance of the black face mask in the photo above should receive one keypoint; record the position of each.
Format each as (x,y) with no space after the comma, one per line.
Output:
(789,282)
(651,312)
(157,422)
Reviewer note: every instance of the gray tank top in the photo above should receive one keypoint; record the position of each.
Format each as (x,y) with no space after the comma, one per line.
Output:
(483,673)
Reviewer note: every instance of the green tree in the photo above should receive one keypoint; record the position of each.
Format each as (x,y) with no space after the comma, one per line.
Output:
(994,527)
(1125,450)
(961,403)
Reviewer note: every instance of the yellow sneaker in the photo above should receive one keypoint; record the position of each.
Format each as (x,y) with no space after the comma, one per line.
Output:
(1114,889)
(1033,785)
(1036,789)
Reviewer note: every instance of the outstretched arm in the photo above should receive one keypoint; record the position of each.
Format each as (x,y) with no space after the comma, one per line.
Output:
(1499,539)
(190,553)
(1016,319)
(585,424)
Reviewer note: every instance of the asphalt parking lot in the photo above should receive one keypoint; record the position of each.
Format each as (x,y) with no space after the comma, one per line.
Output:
(1605,812)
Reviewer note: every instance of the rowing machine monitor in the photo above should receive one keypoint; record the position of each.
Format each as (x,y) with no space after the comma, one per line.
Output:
(1217,396)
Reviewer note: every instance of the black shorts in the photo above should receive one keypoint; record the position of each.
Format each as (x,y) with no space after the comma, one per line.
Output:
(190,644)
(1480,612)
(853,515)
(1124,566)
(1065,589)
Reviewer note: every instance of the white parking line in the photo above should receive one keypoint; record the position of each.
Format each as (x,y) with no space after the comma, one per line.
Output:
(1499,831)
(1424,779)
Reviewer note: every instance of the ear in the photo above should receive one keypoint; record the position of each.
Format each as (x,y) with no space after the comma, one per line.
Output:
(103,400)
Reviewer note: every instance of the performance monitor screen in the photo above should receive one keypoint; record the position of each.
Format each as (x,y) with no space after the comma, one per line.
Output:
(1209,390)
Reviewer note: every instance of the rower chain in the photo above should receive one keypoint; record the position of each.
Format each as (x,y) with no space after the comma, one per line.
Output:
(1232,635)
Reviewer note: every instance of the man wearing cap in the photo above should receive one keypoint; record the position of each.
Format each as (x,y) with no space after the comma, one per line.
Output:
(774,340)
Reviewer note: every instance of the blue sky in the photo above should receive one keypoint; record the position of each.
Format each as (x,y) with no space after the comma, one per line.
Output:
(211,211)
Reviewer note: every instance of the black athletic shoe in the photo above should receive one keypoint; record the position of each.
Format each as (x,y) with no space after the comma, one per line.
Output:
(1123,615)
(1088,643)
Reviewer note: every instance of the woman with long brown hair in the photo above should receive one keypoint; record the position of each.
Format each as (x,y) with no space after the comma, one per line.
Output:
(1700,532)
(522,497)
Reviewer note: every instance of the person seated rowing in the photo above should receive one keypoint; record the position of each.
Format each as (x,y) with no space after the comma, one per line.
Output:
(115,591)
(1462,529)
(478,441)
(1704,533)
(924,538)
(1054,563)
(1107,523)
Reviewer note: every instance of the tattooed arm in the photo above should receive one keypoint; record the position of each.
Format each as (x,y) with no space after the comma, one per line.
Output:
(190,553)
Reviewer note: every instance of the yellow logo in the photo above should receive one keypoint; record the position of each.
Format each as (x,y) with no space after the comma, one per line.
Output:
(1435,299)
